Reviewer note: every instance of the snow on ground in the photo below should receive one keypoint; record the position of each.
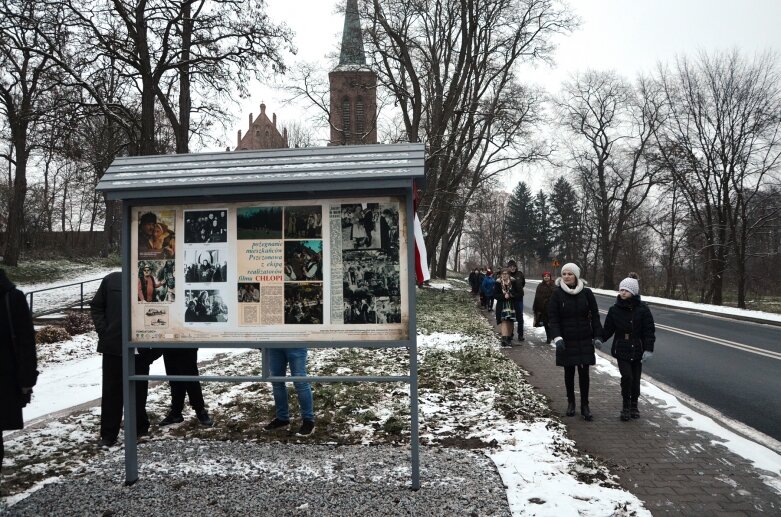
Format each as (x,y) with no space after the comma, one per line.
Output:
(57,298)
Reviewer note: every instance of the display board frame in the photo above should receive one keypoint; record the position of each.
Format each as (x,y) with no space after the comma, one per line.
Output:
(291,175)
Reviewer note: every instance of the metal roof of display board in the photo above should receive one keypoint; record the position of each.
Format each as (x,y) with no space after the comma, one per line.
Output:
(276,170)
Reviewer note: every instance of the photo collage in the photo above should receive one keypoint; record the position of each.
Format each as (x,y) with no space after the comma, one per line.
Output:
(205,266)
(280,277)
(371,263)
(155,266)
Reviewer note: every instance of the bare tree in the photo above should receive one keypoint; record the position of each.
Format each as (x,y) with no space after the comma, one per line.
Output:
(453,83)
(722,144)
(28,96)
(613,123)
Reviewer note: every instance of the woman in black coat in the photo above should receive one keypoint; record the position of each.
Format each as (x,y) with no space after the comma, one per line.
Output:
(635,334)
(573,317)
(17,357)
(505,294)
(541,300)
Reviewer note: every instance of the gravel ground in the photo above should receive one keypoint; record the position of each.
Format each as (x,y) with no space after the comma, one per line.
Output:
(244,478)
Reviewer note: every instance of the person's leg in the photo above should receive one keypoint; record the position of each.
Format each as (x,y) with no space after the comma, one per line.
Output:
(278,366)
(193,388)
(111,397)
(173,366)
(519,317)
(637,372)
(143,360)
(548,337)
(297,359)
(569,383)
(626,370)
(583,382)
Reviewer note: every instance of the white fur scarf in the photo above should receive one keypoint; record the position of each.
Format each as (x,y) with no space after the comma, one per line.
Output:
(571,290)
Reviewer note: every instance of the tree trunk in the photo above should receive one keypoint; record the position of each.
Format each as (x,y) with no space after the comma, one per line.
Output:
(16,208)
(185,102)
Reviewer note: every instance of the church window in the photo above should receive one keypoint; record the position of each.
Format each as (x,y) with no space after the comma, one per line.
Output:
(346,117)
(360,117)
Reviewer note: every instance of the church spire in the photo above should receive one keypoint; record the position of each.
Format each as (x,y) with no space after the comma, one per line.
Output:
(352,41)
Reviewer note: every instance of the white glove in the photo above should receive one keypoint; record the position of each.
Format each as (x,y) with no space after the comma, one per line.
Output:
(646,356)
(598,343)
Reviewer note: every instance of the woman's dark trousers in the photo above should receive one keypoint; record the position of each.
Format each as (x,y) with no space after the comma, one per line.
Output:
(583,381)
(630,381)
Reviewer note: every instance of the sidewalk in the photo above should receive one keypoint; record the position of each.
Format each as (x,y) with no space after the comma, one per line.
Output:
(673,469)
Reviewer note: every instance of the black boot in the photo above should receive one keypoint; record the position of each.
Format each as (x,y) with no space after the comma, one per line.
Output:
(625,411)
(633,411)
(570,408)
(586,412)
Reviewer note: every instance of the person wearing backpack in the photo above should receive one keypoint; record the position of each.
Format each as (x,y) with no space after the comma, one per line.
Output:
(18,362)
(630,320)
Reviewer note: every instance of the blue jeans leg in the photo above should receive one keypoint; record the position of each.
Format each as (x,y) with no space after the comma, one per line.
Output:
(279,359)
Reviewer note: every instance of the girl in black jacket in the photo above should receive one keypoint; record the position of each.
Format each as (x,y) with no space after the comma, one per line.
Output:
(573,317)
(633,325)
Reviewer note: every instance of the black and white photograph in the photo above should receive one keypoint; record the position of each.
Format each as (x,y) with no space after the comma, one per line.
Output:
(156,317)
(249,292)
(370,273)
(304,303)
(389,228)
(205,265)
(156,237)
(263,222)
(204,306)
(303,222)
(303,261)
(156,281)
(360,226)
(205,226)
(367,309)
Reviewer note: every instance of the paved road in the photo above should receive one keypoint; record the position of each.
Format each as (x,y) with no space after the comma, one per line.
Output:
(730,365)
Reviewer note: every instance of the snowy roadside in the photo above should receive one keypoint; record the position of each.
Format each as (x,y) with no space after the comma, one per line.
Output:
(61,297)
(471,397)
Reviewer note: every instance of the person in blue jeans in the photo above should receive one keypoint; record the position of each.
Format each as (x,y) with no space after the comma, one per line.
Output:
(279,359)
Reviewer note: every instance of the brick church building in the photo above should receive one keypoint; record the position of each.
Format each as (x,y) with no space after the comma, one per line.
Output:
(353,104)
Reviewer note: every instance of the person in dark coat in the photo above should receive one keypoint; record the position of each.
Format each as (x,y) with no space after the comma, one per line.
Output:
(540,305)
(505,295)
(106,311)
(487,290)
(18,361)
(630,320)
(473,281)
(519,282)
(573,317)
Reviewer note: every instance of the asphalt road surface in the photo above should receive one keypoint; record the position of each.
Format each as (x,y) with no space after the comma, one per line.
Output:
(733,366)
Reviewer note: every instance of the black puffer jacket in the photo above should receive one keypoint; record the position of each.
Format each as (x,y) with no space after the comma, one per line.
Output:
(574,316)
(106,310)
(542,298)
(16,371)
(633,325)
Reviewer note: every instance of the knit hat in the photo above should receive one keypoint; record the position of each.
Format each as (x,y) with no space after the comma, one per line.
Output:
(511,262)
(572,268)
(631,285)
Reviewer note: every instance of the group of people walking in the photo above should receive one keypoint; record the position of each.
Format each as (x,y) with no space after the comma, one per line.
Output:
(568,311)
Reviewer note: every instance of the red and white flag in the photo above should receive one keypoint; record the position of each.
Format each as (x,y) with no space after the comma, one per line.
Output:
(421,258)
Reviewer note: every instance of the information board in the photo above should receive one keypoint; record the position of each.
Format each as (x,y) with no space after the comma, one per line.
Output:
(326,270)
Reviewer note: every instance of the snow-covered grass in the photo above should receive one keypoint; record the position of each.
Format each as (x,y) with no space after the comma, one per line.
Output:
(470,394)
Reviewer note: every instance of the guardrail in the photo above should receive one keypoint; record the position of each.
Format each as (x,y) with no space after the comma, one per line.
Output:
(68,305)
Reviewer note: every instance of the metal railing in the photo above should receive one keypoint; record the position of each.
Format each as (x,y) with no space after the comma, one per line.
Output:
(68,305)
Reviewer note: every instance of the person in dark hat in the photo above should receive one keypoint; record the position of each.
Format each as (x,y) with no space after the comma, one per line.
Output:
(146,232)
(519,282)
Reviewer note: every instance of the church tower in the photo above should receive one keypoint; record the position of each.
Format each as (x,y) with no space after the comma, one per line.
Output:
(353,88)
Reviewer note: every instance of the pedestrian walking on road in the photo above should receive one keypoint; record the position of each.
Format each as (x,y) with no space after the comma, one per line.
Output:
(474,281)
(573,317)
(540,305)
(505,296)
(487,290)
(519,282)
(106,311)
(18,361)
(630,320)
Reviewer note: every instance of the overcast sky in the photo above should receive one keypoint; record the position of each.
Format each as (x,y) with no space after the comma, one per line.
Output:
(628,36)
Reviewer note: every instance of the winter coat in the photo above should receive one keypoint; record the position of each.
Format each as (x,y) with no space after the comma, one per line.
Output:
(487,287)
(473,279)
(574,316)
(519,281)
(502,302)
(633,325)
(19,371)
(106,311)
(541,299)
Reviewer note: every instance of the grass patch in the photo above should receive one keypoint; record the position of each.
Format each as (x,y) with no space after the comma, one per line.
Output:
(38,271)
